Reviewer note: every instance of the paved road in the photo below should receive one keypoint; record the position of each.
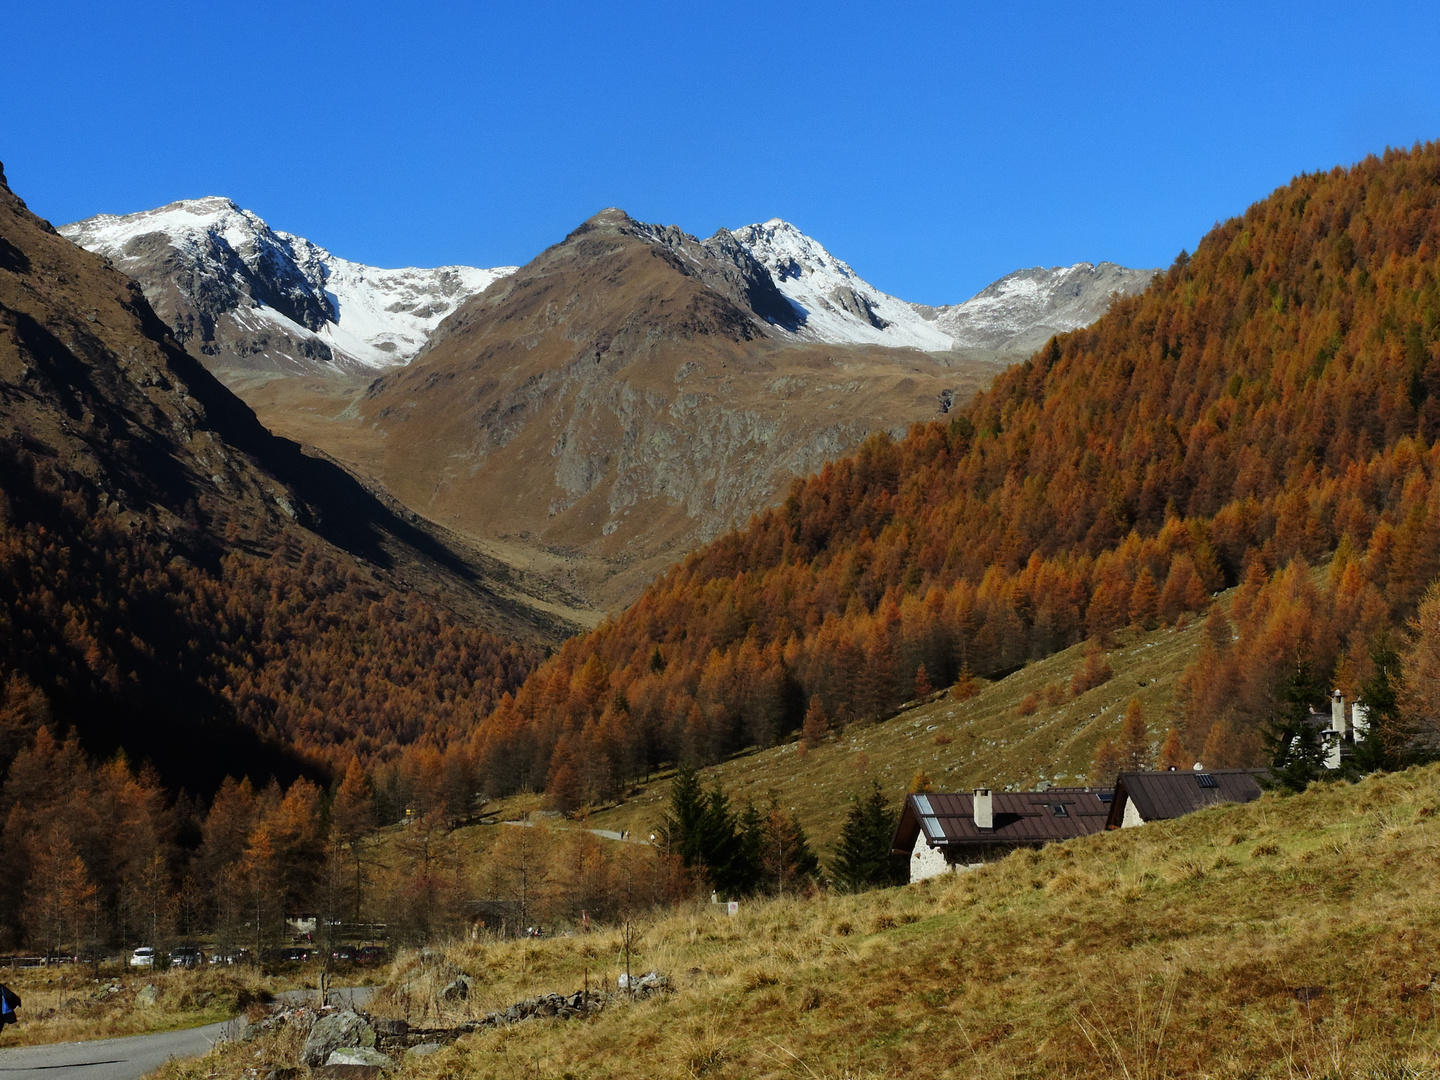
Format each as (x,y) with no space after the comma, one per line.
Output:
(131,1058)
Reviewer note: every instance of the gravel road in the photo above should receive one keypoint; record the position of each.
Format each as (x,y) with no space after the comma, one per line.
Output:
(130,1058)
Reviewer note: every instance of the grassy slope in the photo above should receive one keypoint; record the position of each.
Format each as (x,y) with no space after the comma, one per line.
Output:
(1173,949)
(991,744)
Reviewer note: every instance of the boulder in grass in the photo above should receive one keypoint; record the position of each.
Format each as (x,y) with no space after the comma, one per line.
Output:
(347,1072)
(148,997)
(458,990)
(358,1055)
(330,1033)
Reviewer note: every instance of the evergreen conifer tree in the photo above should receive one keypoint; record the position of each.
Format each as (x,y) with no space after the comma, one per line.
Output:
(681,826)
(1386,745)
(1297,753)
(704,830)
(862,854)
(744,871)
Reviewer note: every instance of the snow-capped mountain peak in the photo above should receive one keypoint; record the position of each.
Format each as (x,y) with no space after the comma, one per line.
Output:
(834,302)
(255,297)
(1014,315)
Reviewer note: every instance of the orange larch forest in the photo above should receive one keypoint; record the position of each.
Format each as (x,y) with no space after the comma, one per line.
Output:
(1268,402)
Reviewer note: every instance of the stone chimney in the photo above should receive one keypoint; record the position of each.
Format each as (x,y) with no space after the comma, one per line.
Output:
(1337,713)
(984,809)
(1360,720)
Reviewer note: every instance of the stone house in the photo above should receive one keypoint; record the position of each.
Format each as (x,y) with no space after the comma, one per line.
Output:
(942,833)
(1159,796)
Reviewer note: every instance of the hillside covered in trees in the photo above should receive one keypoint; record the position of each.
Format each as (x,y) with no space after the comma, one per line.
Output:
(1272,399)
(181,585)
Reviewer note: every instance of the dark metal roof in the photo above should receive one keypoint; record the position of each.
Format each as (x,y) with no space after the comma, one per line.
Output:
(1022,818)
(1159,796)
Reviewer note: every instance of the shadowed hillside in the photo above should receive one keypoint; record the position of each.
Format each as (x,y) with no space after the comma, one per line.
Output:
(184,586)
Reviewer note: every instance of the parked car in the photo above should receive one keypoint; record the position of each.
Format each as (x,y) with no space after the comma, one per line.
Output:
(343,952)
(143,957)
(230,956)
(371,954)
(295,954)
(186,956)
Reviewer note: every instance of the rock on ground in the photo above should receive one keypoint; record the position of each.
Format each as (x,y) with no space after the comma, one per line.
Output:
(358,1055)
(346,1028)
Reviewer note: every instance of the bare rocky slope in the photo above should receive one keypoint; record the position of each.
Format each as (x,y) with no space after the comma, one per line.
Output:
(629,394)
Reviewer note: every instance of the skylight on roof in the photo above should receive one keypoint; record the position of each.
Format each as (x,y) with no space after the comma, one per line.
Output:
(922,803)
(1204,779)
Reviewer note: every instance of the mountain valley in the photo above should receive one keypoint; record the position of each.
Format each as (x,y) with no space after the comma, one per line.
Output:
(597,436)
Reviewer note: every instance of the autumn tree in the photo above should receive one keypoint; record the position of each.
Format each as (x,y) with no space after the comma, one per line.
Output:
(519,870)
(1172,752)
(786,861)
(1144,600)
(1418,699)
(352,814)
(1134,738)
(816,726)
(1105,765)
(1094,671)
(966,685)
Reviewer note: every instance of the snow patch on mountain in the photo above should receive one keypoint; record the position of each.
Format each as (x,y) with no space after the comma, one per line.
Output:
(835,303)
(208,259)
(1023,310)
(1016,314)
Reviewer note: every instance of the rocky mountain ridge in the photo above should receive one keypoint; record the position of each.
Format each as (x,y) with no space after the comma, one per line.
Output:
(246,297)
(249,298)
(144,509)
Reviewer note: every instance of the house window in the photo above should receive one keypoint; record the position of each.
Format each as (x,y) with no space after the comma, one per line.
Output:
(1059,811)
(1204,779)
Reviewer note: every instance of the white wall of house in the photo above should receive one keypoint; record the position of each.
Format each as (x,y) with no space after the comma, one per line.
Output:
(1132,816)
(927,861)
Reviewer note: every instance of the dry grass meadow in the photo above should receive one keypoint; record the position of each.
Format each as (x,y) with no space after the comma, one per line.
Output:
(68,1004)
(1293,937)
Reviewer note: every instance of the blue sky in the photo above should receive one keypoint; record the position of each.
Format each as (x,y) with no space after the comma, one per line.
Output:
(933,146)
